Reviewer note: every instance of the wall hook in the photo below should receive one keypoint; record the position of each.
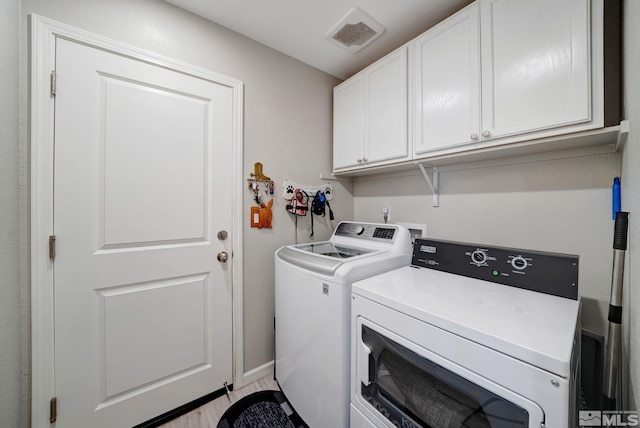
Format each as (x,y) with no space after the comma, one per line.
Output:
(259,181)
(257,173)
(290,186)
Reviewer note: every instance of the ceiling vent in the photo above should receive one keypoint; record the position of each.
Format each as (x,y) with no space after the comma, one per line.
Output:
(355,31)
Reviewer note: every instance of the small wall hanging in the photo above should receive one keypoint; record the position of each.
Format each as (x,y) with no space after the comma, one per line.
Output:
(261,216)
(303,199)
(290,186)
(299,203)
(262,187)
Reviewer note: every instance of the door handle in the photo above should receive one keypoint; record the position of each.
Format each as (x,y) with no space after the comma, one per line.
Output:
(364,361)
(223,256)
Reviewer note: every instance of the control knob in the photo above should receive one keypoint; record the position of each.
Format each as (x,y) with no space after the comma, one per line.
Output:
(479,257)
(359,229)
(519,262)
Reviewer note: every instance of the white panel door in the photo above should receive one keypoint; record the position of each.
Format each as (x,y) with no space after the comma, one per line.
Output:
(447,83)
(143,170)
(348,123)
(386,108)
(535,65)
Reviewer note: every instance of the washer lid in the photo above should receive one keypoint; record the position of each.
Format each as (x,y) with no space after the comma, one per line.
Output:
(355,251)
(533,327)
(330,250)
(309,261)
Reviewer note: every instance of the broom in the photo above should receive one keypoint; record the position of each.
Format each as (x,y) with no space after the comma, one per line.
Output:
(612,357)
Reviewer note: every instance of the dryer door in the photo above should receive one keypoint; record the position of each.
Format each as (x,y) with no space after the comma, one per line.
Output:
(410,386)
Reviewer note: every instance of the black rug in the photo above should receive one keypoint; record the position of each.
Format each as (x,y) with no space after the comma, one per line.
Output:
(264,409)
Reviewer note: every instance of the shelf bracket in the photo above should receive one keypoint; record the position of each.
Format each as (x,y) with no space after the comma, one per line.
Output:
(433,183)
(623,133)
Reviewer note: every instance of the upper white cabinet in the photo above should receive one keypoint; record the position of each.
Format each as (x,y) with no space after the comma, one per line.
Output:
(502,71)
(447,82)
(370,115)
(535,65)
(348,123)
(499,78)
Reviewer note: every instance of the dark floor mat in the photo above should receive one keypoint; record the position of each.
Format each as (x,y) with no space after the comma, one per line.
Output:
(264,409)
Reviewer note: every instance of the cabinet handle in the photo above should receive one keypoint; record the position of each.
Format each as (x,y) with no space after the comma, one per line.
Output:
(474,136)
(486,134)
(365,159)
(359,160)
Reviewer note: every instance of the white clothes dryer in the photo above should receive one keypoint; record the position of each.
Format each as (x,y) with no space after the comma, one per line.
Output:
(467,335)
(313,308)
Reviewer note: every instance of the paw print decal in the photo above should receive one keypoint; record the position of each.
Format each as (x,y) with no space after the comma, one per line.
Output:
(289,190)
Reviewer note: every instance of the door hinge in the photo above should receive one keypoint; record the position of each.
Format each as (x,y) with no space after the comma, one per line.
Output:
(53,83)
(52,247)
(53,410)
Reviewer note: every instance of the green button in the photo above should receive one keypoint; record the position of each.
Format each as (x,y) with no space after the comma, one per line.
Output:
(495,272)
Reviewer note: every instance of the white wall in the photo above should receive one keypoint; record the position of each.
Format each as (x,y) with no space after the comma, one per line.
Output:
(631,198)
(287,127)
(14,381)
(553,205)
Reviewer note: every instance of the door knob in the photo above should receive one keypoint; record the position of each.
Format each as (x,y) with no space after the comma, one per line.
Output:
(223,256)
(222,235)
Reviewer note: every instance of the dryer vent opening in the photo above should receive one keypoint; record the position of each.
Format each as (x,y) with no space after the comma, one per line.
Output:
(355,30)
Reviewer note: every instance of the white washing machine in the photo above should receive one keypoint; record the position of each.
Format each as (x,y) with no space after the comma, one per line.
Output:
(467,335)
(313,301)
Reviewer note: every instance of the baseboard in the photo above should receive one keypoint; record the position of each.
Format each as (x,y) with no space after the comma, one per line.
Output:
(249,377)
(182,410)
(258,372)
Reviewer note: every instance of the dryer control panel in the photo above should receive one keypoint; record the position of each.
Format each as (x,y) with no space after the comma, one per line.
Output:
(550,273)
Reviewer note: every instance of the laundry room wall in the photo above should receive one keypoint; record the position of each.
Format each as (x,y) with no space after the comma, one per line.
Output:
(14,321)
(548,205)
(631,202)
(287,127)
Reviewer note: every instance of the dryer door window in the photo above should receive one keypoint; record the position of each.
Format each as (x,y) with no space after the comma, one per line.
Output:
(407,388)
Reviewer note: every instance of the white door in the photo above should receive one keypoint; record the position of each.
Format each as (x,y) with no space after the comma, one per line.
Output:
(447,83)
(386,108)
(535,65)
(348,123)
(143,170)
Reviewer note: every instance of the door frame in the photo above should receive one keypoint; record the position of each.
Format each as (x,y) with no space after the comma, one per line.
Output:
(43,41)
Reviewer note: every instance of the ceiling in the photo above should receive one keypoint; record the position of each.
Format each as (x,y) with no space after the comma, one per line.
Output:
(298,27)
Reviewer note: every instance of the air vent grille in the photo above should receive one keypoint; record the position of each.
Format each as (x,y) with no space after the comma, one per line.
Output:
(355,30)
(354,34)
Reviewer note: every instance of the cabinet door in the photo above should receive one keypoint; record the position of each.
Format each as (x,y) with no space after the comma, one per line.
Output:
(447,83)
(535,65)
(386,108)
(348,123)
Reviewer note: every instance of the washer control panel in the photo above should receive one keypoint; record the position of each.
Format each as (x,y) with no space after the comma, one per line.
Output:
(550,273)
(366,231)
